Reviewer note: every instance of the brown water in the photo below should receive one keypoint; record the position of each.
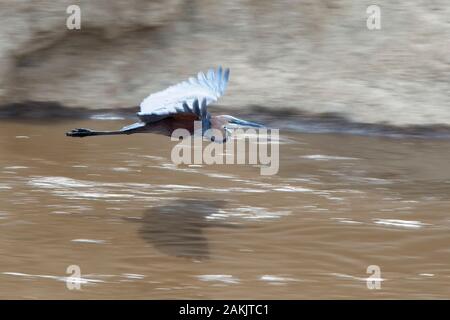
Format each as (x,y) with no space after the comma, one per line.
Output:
(141,228)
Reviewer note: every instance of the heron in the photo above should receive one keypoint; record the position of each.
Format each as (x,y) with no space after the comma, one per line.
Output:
(178,107)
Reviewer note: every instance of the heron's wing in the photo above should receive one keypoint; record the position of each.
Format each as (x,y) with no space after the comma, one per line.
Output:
(185,97)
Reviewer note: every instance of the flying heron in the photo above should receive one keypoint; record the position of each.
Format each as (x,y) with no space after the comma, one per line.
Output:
(179,106)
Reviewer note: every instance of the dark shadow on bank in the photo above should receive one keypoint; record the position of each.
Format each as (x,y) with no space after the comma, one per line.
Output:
(286,119)
(44,111)
(178,228)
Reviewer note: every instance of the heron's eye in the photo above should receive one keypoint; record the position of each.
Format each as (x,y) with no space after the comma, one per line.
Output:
(213,138)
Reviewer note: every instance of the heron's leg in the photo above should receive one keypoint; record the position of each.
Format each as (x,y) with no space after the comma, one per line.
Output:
(82,132)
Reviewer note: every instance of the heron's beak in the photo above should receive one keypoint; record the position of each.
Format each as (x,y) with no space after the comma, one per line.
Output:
(244,123)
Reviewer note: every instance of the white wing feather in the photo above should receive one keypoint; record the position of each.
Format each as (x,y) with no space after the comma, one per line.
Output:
(170,101)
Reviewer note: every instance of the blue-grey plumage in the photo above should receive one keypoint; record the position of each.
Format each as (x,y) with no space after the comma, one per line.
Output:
(178,107)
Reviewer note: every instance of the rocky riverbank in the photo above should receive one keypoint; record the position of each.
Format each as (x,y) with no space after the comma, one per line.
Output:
(307,56)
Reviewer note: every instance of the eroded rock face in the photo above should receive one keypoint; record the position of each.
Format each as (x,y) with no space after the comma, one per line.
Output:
(312,55)
(41,59)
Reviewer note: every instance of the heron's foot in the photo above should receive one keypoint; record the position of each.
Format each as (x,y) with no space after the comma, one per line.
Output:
(80,132)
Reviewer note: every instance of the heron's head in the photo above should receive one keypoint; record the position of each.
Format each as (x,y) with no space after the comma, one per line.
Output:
(224,125)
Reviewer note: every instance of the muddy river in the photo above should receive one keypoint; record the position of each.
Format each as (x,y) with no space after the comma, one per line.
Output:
(347,216)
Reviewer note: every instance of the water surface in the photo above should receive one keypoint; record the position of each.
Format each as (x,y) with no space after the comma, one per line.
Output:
(140,227)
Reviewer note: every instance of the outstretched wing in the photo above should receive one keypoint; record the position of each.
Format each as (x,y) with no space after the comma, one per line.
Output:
(185,97)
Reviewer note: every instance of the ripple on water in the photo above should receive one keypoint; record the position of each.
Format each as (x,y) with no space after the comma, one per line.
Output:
(292,189)
(124,169)
(248,213)
(72,280)
(223,278)
(348,276)
(272,279)
(346,220)
(110,191)
(400,223)
(4,186)
(133,276)
(322,157)
(58,182)
(89,241)
(107,116)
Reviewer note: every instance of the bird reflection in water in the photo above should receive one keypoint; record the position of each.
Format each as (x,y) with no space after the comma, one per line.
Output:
(177,229)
